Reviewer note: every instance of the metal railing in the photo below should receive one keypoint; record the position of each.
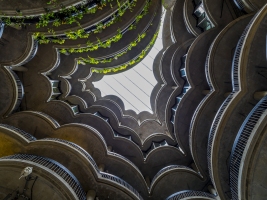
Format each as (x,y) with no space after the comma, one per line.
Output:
(105,21)
(54,166)
(241,142)
(190,193)
(104,175)
(33,51)
(207,67)
(236,59)
(20,89)
(19,131)
(36,17)
(213,130)
(46,116)
(240,4)
(121,182)
(2,26)
(169,168)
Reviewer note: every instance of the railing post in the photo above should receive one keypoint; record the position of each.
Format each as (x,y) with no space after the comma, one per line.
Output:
(91,194)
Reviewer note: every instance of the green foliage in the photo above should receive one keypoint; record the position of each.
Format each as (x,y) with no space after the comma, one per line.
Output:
(129,63)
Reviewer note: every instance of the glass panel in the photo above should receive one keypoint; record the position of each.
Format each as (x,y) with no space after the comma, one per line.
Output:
(199,10)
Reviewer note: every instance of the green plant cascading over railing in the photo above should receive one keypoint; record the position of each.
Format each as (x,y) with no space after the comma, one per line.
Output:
(81,33)
(107,43)
(129,63)
(64,15)
(107,60)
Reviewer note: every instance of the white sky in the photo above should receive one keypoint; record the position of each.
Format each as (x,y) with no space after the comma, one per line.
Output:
(134,86)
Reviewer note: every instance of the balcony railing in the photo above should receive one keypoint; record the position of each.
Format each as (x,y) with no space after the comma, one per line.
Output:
(236,59)
(54,166)
(213,130)
(170,168)
(36,17)
(240,4)
(20,90)
(187,194)
(2,26)
(18,131)
(121,182)
(241,142)
(99,173)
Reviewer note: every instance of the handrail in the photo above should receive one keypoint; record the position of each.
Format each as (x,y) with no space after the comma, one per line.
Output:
(54,166)
(121,182)
(235,63)
(240,4)
(168,168)
(78,148)
(241,142)
(18,131)
(190,193)
(35,18)
(91,28)
(33,50)
(2,26)
(20,89)
(104,175)
(214,125)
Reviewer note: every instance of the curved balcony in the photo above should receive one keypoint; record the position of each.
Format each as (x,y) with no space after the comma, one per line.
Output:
(37,9)
(37,147)
(240,102)
(218,74)
(165,182)
(249,6)
(241,148)
(178,27)
(52,167)
(106,16)
(103,53)
(13,91)
(190,194)
(194,72)
(87,138)
(19,47)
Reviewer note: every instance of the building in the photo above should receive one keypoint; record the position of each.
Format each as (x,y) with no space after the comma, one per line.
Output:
(206,138)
